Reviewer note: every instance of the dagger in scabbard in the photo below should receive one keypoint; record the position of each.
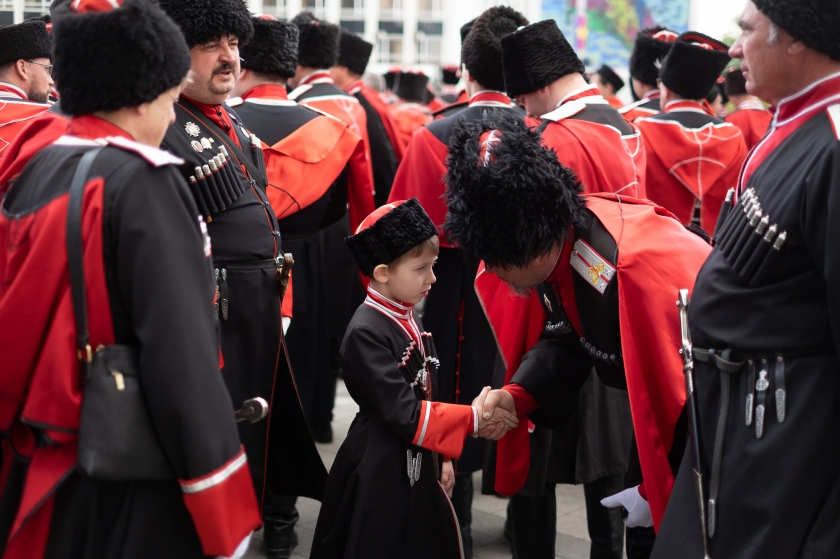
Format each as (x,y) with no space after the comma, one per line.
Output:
(693,424)
(252,411)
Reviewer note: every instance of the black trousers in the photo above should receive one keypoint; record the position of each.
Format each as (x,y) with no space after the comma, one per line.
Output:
(606,526)
(533,525)
(462,498)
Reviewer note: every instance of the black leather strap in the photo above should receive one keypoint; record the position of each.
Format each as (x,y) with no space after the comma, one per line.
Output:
(256,174)
(75,259)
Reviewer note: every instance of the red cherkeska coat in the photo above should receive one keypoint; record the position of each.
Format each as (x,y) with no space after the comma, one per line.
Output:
(692,156)
(753,120)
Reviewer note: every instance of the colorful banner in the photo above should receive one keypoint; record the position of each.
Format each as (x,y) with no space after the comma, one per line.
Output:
(608,28)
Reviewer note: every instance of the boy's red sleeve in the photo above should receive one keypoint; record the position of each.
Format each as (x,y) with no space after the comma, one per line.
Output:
(443,428)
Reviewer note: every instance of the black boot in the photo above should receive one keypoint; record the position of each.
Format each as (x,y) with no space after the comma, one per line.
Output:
(462,497)
(279,518)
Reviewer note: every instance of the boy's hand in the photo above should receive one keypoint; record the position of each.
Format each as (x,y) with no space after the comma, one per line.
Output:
(447,477)
(498,418)
(497,413)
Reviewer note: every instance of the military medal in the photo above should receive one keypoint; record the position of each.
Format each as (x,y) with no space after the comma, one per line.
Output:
(197,146)
(206,143)
(192,129)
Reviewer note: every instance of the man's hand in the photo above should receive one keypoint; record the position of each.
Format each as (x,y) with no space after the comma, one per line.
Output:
(638,509)
(497,413)
(447,477)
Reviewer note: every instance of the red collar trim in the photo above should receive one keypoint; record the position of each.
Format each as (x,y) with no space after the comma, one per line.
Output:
(9,90)
(357,85)
(652,94)
(691,106)
(320,76)
(752,105)
(489,98)
(267,91)
(92,127)
(400,310)
(813,98)
(588,91)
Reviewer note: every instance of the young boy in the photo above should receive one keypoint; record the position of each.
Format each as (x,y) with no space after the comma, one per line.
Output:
(384,496)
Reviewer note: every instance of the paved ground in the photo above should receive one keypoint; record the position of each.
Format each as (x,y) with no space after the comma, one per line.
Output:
(488,511)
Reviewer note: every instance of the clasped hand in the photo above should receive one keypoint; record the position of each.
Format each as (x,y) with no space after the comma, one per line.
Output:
(496,413)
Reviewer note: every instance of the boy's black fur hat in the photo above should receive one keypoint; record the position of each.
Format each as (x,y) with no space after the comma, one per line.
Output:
(354,52)
(694,65)
(409,86)
(390,236)
(736,84)
(106,61)
(652,46)
(482,48)
(608,75)
(511,200)
(814,22)
(274,48)
(318,46)
(536,56)
(206,20)
(465,29)
(24,41)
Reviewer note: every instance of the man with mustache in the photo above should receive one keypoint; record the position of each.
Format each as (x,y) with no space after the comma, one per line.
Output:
(768,295)
(225,171)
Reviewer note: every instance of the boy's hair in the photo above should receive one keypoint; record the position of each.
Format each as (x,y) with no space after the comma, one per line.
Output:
(432,244)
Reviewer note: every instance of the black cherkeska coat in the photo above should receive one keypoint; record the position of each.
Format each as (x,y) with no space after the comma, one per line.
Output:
(244,230)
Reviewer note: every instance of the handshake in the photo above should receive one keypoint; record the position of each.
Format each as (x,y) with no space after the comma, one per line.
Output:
(496,413)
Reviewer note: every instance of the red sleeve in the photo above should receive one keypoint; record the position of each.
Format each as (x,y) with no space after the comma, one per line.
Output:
(360,188)
(523,401)
(223,506)
(443,428)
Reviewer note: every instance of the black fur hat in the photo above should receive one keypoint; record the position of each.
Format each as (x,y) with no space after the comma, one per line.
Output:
(652,46)
(735,83)
(608,75)
(450,75)
(274,48)
(536,56)
(205,20)
(24,41)
(121,58)
(354,52)
(388,233)
(410,86)
(465,30)
(391,78)
(694,65)
(814,22)
(318,41)
(509,199)
(482,49)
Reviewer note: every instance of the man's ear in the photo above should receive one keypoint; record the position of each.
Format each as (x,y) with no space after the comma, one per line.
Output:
(381,273)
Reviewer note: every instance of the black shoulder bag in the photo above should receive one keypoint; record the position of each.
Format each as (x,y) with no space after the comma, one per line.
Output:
(117,440)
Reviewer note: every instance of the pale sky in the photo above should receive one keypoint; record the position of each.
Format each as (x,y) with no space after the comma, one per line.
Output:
(717,18)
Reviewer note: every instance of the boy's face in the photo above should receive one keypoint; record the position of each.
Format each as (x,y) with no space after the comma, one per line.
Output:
(411,279)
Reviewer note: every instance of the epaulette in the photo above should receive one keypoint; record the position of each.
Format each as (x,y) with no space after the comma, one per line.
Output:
(566,110)
(834,118)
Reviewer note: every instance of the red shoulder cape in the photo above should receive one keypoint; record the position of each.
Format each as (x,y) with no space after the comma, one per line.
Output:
(656,258)
(753,124)
(40,132)
(388,121)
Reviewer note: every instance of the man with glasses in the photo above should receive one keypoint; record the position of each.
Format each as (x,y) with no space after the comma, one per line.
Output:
(25,77)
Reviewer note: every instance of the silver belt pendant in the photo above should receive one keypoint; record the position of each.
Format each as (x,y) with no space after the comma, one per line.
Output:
(781,392)
(761,386)
(751,388)
(414,464)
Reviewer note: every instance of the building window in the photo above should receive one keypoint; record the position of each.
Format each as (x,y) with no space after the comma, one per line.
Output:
(356,26)
(276,8)
(429,9)
(390,9)
(315,6)
(390,48)
(428,48)
(352,9)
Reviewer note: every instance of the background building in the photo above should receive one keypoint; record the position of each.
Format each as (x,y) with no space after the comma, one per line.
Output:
(424,34)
